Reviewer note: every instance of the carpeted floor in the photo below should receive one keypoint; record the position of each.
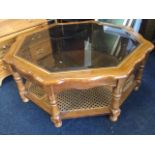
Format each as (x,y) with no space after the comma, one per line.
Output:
(137,117)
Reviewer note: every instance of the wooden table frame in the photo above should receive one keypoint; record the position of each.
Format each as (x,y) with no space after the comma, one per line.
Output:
(121,79)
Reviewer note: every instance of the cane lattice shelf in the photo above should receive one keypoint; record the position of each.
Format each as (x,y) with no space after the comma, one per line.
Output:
(73,102)
(78,69)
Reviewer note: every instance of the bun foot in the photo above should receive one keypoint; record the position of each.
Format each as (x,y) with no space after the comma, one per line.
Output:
(136,88)
(0,82)
(113,119)
(57,121)
(115,114)
(25,100)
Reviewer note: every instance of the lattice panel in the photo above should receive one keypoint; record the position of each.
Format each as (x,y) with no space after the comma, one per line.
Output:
(36,90)
(74,100)
(77,100)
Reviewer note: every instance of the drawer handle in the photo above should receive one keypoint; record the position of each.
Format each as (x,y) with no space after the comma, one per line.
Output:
(36,37)
(40,51)
(4,67)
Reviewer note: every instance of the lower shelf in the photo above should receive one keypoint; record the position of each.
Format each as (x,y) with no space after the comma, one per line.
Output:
(74,103)
(78,103)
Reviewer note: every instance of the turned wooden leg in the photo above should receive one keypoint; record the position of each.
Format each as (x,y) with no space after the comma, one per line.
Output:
(19,82)
(139,74)
(55,118)
(115,106)
(20,86)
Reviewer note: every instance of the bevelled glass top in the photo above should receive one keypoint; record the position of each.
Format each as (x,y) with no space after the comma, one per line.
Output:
(77,46)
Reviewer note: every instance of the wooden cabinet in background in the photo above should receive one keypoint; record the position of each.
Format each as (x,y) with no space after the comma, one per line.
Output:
(9,30)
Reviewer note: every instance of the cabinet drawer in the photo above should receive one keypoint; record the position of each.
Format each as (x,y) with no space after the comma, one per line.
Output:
(3,68)
(5,46)
(38,37)
(41,50)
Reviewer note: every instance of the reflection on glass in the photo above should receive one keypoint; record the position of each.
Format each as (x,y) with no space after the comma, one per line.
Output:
(77,46)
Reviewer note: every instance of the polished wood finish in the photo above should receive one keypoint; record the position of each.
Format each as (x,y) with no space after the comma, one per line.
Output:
(56,119)
(139,74)
(117,94)
(4,48)
(13,26)
(20,85)
(119,81)
(9,30)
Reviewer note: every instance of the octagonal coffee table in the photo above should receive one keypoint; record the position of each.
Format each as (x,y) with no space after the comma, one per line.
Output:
(78,69)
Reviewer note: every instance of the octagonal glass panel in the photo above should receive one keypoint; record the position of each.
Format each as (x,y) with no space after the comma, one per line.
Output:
(77,46)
